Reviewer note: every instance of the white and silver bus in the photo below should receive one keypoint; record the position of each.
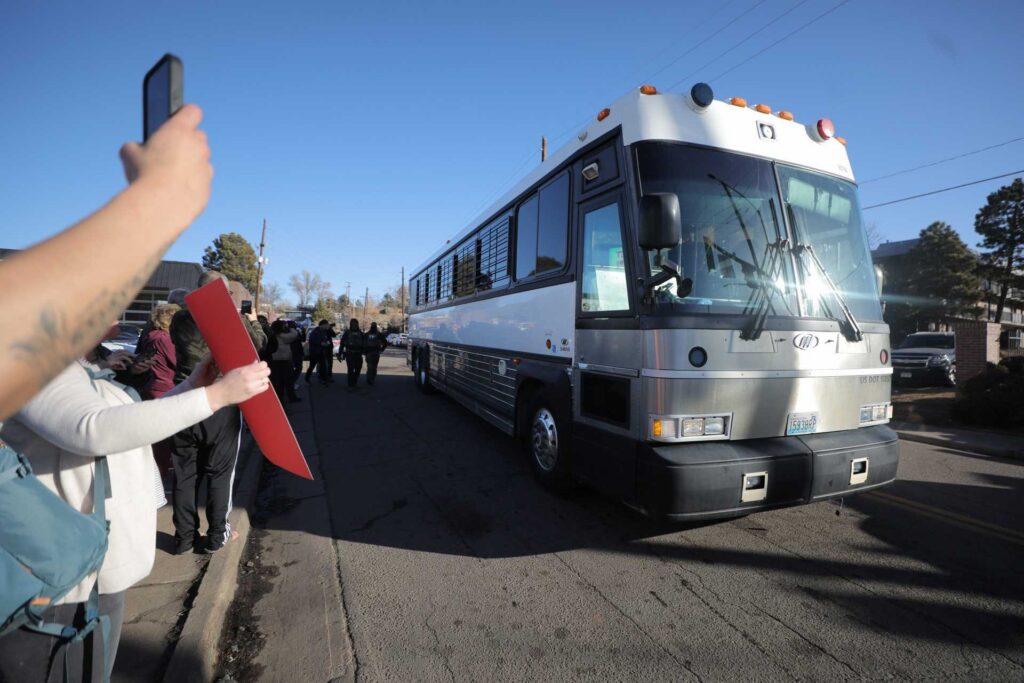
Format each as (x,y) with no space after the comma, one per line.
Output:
(677,308)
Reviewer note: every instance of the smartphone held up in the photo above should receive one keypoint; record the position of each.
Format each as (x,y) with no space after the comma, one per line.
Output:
(162,93)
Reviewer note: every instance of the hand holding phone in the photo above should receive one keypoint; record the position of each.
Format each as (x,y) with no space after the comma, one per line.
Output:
(163,91)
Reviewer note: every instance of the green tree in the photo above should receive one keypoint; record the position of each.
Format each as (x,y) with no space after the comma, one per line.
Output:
(941,276)
(1001,225)
(325,310)
(233,256)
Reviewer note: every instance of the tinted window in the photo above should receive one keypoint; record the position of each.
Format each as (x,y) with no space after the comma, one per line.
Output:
(526,238)
(553,231)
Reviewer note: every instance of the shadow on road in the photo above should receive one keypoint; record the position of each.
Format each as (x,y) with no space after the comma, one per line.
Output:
(418,472)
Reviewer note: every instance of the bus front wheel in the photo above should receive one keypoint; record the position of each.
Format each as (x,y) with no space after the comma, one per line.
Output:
(548,444)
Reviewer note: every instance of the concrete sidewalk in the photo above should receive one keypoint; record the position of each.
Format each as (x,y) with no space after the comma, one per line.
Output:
(173,618)
(996,444)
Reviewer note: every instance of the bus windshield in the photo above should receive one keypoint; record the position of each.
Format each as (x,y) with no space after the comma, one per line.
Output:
(733,242)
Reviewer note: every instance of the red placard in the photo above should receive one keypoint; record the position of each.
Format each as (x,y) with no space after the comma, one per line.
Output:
(222,328)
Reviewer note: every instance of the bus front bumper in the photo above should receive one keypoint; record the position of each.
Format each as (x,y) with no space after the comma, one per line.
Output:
(711,479)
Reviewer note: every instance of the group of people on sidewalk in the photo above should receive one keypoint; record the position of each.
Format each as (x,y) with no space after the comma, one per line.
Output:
(112,411)
(355,346)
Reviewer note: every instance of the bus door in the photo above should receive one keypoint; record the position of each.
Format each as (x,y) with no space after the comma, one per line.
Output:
(606,371)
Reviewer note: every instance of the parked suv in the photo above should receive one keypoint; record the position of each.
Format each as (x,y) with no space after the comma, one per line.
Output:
(925,358)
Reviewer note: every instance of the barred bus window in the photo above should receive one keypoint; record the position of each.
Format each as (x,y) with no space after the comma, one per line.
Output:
(493,256)
(437,284)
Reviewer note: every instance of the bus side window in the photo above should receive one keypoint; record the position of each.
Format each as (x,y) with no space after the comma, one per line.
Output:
(604,269)
(542,230)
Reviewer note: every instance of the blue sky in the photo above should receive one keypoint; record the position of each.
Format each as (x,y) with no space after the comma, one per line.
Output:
(369,133)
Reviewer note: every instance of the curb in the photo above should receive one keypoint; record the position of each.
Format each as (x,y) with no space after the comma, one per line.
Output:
(195,654)
(961,445)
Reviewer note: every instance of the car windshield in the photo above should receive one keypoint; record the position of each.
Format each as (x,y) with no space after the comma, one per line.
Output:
(928,341)
(733,243)
(824,213)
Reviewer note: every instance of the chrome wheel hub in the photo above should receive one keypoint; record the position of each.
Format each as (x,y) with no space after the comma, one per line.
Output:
(544,440)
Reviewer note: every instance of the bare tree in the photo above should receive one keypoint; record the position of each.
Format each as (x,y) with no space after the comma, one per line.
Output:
(875,237)
(309,287)
(272,294)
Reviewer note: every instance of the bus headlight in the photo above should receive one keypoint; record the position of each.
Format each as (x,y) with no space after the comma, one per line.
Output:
(677,428)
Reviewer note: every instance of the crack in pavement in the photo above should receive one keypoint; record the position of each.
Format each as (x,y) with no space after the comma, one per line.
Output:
(437,641)
(684,664)
(396,505)
(882,596)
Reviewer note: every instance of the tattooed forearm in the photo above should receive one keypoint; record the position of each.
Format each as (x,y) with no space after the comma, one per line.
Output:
(60,336)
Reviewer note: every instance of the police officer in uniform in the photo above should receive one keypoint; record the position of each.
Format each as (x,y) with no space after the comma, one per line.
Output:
(375,343)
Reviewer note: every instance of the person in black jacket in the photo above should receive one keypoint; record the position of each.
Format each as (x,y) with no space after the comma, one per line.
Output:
(352,344)
(375,343)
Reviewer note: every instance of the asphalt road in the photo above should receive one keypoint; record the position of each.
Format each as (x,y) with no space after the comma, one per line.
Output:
(451,563)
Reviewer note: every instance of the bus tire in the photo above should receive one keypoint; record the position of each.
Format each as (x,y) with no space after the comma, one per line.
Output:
(547,443)
(421,368)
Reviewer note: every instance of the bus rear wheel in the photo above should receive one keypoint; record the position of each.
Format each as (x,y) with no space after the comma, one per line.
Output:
(548,444)
(421,370)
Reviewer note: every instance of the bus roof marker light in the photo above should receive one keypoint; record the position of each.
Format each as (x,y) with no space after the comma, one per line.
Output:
(786,115)
(603,114)
(648,90)
(841,141)
(763,108)
(738,102)
(701,96)
(826,129)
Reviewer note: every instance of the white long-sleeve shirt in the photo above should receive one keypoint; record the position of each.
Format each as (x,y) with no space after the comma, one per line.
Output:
(74,420)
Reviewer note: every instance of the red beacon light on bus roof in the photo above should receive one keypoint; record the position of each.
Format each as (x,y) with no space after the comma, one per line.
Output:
(826,129)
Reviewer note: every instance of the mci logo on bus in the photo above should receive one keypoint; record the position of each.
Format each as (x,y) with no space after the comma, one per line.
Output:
(805,342)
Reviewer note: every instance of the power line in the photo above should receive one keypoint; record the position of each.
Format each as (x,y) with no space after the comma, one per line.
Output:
(941,161)
(707,64)
(788,35)
(721,8)
(945,189)
(732,21)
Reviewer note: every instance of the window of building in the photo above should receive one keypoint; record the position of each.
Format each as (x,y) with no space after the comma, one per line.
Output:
(542,230)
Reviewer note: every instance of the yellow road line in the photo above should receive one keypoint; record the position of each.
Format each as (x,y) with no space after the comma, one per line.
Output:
(1009,535)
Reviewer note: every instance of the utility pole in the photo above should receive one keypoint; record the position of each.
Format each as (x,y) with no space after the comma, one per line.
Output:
(543,149)
(348,298)
(366,300)
(259,268)
(401,296)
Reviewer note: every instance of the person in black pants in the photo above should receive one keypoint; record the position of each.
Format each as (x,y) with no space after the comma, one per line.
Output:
(352,344)
(282,362)
(375,344)
(206,450)
(209,448)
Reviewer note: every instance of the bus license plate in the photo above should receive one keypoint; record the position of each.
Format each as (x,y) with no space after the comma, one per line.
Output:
(802,423)
(905,375)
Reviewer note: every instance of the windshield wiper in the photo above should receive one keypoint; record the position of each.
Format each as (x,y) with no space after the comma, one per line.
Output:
(759,310)
(851,330)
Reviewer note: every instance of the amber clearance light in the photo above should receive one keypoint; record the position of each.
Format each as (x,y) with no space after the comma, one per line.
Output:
(603,114)
(763,108)
(648,90)
(788,116)
(738,101)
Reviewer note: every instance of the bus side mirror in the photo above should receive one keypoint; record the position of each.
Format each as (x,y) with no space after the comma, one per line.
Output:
(879,278)
(660,224)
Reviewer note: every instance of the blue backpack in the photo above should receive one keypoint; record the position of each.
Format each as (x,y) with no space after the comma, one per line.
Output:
(46,549)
